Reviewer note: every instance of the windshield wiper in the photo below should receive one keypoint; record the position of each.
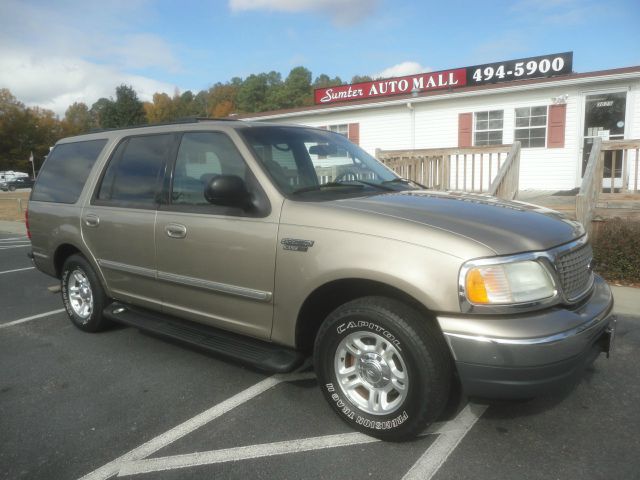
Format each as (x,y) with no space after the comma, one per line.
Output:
(404,180)
(347,183)
(311,188)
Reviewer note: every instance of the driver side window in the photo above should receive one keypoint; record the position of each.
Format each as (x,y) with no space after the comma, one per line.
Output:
(202,156)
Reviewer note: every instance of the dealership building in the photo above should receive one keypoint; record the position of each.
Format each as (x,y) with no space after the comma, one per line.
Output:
(554,112)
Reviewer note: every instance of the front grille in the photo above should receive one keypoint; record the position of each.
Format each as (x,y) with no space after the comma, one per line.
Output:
(574,271)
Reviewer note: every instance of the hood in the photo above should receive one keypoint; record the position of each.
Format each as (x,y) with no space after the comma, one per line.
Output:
(505,227)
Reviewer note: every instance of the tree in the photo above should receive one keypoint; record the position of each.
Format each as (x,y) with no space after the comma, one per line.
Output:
(127,109)
(186,105)
(77,119)
(221,99)
(361,78)
(161,110)
(254,91)
(23,131)
(324,81)
(101,109)
(297,89)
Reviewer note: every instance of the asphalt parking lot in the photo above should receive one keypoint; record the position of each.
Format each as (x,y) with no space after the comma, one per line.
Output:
(122,403)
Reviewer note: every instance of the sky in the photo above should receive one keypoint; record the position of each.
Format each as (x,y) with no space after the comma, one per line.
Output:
(56,52)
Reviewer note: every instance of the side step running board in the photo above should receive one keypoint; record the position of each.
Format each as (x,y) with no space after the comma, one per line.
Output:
(257,354)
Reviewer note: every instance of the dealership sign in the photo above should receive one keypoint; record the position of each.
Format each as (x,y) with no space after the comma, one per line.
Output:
(524,68)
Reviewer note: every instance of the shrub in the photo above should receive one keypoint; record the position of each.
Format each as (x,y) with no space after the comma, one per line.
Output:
(616,249)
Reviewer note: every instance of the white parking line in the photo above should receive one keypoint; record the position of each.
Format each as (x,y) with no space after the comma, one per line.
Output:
(243,453)
(263,450)
(13,239)
(161,441)
(438,452)
(17,270)
(28,319)
(2,247)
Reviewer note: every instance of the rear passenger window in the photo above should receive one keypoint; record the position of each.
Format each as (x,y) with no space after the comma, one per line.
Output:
(65,171)
(133,176)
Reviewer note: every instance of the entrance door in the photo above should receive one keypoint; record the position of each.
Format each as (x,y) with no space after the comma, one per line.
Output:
(216,264)
(119,224)
(604,116)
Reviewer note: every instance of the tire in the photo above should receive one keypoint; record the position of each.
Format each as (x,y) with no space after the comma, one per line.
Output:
(12,188)
(82,295)
(394,362)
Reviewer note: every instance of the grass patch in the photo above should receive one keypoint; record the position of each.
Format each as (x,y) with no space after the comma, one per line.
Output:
(616,250)
(10,208)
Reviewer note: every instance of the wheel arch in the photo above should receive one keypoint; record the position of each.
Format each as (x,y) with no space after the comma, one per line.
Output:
(327,297)
(65,250)
(62,252)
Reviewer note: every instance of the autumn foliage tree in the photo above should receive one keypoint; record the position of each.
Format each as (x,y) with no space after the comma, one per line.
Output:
(25,129)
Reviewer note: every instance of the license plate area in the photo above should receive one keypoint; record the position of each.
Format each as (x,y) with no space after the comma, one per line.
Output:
(608,337)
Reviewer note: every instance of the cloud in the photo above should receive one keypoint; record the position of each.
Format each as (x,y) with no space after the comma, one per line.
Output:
(108,34)
(342,12)
(56,54)
(55,82)
(402,69)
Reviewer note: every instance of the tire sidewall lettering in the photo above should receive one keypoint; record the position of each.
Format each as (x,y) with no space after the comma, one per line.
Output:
(373,424)
(65,292)
(374,327)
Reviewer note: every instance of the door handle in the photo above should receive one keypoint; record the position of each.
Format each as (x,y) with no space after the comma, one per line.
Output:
(91,220)
(175,230)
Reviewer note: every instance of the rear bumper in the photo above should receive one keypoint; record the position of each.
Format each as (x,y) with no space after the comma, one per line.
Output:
(526,355)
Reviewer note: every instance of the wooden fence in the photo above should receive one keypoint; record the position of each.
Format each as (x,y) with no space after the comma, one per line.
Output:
(612,167)
(489,169)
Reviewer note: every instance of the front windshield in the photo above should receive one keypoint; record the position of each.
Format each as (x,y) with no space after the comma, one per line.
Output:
(304,160)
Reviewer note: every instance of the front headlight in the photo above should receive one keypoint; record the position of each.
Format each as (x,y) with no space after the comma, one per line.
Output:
(507,283)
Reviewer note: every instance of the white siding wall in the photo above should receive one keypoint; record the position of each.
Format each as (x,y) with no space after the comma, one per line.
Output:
(633,132)
(434,124)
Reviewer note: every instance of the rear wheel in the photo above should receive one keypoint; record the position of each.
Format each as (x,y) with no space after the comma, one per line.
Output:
(383,367)
(83,295)
(12,188)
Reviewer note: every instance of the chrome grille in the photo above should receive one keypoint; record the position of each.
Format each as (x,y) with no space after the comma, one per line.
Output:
(574,271)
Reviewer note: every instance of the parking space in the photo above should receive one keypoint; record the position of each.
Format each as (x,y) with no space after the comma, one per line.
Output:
(128,404)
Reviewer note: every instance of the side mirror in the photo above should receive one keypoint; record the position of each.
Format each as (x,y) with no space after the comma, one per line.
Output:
(227,191)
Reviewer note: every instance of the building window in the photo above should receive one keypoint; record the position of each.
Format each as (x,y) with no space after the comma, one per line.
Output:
(531,126)
(488,127)
(341,129)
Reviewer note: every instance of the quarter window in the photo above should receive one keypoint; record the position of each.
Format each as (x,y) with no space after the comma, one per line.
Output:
(135,171)
(65,171)
(488,127)
(531,126)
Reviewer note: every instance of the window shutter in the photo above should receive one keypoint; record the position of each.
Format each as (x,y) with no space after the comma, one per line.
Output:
(354,133)
(555,130)
(465,127)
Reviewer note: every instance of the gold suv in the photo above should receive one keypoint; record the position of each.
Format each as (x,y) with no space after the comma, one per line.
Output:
(268,244)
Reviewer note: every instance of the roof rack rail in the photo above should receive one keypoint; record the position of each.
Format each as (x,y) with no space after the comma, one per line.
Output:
(178,121)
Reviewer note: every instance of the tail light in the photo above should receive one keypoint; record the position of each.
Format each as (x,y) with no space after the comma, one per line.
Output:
(26,223)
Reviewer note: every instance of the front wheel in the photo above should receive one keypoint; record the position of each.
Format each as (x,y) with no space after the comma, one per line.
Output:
(12,188)
(383,367)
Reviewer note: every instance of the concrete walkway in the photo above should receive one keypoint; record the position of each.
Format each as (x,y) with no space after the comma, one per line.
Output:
(17,228)
(627,300)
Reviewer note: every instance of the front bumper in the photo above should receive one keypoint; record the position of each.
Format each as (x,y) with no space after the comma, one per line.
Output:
(528,354)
